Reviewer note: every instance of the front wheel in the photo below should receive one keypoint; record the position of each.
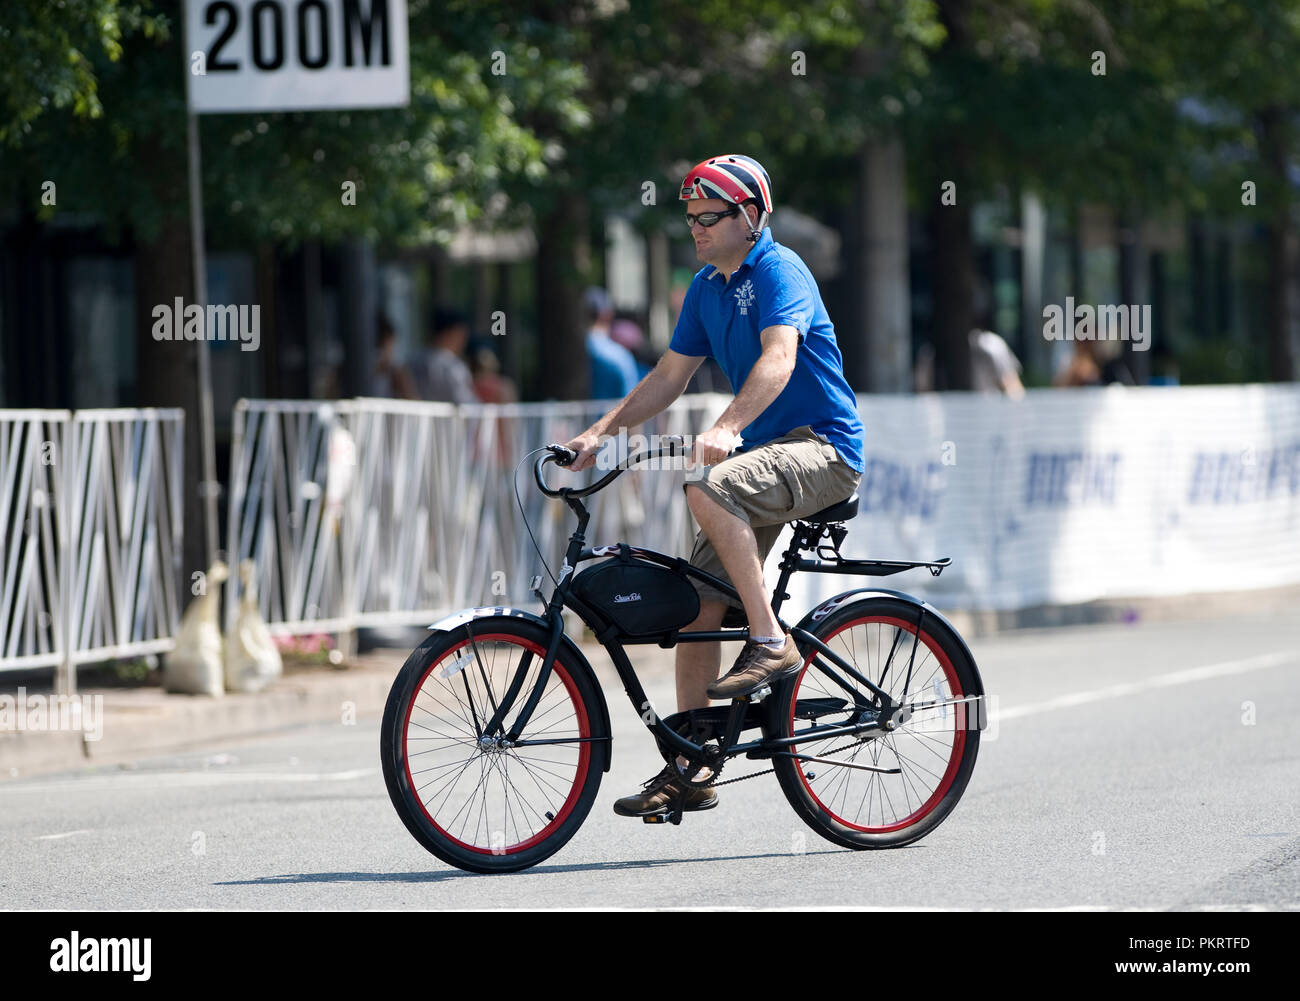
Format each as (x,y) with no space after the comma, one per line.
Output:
(915,774)
(478,804)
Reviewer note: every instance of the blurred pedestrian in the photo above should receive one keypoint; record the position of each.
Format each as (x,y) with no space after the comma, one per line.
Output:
(626,331)
(390,378)
(490,386)
(442,374)
(1092,365)
(613,368)
(994,367)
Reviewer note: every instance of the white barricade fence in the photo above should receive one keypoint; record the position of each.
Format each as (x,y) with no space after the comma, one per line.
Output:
(90,535)
(31,442)
(278,514)
(1061,497)
(430,522)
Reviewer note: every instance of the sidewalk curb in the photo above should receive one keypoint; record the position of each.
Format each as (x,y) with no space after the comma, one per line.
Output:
(148,721)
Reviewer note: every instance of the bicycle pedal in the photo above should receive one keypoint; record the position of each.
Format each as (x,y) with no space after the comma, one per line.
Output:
(671,817)
(756,697)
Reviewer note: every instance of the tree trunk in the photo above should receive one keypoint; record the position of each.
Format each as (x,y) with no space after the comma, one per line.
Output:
(1036,349)
(659,309)
(1133,286)
(563,254)
(954,289)
(885,299)
(358,309)
(1281,244)
(167,371)
(954,260)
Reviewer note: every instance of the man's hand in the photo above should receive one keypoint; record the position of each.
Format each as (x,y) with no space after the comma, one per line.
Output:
(714,445)
(586,445)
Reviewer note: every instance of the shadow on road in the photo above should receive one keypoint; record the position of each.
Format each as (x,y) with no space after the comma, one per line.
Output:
(302,878)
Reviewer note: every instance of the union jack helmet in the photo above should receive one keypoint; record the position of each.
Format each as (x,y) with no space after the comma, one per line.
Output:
(731,177)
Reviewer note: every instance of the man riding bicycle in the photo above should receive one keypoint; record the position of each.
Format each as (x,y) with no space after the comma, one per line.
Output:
(756,309)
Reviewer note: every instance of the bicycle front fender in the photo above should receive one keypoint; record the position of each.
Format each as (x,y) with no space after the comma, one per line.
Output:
(576,657)
(818,614)
(457,619)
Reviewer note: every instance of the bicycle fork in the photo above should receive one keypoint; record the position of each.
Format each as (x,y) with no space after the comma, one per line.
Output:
(492,728)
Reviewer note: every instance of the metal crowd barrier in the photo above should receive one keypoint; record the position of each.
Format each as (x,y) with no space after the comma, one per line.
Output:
(425,520)
(90,536)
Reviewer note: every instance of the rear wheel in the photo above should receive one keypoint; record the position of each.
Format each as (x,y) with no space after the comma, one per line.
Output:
(915,774)
(478,804)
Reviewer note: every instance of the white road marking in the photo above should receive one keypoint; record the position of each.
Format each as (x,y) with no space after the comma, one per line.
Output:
(1183,677)
(56,837)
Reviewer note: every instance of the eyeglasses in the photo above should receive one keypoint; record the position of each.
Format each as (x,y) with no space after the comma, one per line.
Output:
(707,219)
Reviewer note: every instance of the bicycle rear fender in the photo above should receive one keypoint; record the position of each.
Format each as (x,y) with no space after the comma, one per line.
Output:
(457,619)
(832,604)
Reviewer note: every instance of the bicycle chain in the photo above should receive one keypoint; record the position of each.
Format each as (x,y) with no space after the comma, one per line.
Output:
(742,778)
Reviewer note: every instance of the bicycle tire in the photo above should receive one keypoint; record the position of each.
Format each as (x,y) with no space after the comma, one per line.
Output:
(527,833)
(825,800)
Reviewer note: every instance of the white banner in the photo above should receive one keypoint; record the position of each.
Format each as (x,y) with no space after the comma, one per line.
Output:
(1076,495)
(296,55)
(1064,496)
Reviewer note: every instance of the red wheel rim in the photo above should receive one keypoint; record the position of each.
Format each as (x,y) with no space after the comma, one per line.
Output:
(953,753)
(546,705)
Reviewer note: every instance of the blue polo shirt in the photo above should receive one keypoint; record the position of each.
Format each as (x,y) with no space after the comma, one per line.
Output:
(723,319)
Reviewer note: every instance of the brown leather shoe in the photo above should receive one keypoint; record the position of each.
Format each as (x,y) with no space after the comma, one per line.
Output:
(755,667)
(659,794)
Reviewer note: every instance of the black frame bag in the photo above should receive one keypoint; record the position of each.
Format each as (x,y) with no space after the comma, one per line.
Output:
(640,597)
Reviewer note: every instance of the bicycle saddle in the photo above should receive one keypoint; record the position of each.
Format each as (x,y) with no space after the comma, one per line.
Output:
(845,510)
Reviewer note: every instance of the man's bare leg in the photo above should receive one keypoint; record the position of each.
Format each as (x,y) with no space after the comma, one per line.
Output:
(698,663)
(733,540)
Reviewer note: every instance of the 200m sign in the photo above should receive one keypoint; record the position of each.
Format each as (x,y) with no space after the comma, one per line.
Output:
(283,55)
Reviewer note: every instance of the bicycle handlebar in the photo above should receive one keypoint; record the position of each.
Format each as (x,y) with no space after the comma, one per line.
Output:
(563,456)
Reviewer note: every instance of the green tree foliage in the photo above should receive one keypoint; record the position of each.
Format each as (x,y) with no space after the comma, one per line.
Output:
(49,53)
(419,171)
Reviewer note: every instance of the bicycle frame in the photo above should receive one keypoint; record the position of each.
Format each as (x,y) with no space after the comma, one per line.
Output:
(871,717)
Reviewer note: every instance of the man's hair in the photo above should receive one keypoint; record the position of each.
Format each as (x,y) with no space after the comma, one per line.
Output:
(444,319)
(384,328)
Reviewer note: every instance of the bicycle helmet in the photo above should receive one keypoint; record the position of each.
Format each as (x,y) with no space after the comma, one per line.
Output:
(732,178)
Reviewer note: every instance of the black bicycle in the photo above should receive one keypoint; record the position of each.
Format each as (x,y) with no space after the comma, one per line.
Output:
(496,732)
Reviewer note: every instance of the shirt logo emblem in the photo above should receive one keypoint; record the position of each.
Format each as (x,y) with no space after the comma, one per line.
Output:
(745,297)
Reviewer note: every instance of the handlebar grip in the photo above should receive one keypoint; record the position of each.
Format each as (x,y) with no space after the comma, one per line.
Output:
(563,456)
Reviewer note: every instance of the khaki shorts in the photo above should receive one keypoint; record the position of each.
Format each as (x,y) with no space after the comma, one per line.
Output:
(787,479)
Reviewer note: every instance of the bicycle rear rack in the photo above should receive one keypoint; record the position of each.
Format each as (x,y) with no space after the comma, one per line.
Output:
(810,536)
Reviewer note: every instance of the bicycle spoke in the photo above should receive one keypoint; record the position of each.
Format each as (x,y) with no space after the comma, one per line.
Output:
(903,778)
(479,793)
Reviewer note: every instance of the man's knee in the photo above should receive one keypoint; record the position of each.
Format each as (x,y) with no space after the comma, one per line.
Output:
(696,496)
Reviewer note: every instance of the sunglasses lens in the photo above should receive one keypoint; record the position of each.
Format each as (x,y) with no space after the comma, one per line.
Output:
(707,219)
